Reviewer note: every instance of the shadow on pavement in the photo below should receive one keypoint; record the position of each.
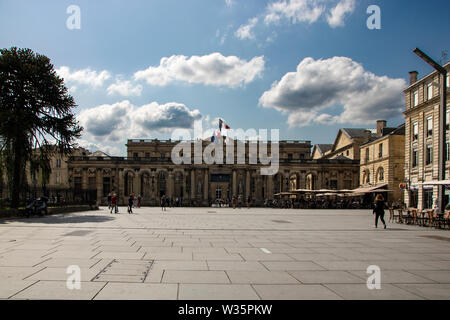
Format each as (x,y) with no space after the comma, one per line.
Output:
(56,219)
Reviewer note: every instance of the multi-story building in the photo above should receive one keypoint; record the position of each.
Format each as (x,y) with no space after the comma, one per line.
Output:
(383,161)
(422,105)
(148,170)
(347,144)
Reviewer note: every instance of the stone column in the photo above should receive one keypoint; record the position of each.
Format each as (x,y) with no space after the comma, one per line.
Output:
(184,184)
(270,187)
(119,191)
(247,183)
(234,183)
(205,186)
(136,181)
(170,185)
(193,189)
(99,181)
(259,198)
(84,179)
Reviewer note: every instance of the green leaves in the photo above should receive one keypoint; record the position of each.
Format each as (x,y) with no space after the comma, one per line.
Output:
(35,112)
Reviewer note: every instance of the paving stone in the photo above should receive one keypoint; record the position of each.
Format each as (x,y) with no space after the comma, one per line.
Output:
(175,276)
(361,292)
(291,265)
(261,277)
(295,292)
(442,276)
(138,291)
(11,286)
(236,265)
(217,292)
(57,290)
(428,291)
(319,277)
(179,265)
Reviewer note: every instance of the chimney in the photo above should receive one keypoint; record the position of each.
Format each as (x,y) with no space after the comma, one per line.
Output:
(381,124)
(413,77)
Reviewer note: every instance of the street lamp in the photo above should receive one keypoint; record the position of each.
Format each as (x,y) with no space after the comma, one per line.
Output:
(442,126)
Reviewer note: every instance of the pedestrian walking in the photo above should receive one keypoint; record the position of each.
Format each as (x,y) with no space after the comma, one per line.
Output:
(109,200)
(114,206)
(163,203)
(139,198)
(379,210)
(130,204)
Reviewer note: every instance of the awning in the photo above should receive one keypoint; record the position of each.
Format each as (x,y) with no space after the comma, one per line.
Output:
(285,194)
(372,189)
(434,183)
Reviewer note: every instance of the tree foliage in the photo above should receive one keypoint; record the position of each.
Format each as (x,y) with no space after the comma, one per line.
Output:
(36,116)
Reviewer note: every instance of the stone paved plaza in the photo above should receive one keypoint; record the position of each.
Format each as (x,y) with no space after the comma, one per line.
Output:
(221,253)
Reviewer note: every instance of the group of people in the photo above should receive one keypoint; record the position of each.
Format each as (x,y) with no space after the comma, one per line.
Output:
(133,202)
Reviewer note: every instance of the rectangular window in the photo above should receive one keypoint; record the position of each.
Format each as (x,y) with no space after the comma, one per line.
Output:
(429,126)
(380,151)
(429,155)
(415,131)
(429,91)
(416,98)
(367,155)
(415,158)
(58,178)
(135,155)
(58,163)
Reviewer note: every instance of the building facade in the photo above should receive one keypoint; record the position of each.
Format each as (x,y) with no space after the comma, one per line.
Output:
(383,161)
(422,105)
(149,171)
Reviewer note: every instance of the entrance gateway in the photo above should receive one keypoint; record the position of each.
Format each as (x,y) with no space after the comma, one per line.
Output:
(220,186)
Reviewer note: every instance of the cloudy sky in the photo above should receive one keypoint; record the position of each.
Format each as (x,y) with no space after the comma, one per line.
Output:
(141,69)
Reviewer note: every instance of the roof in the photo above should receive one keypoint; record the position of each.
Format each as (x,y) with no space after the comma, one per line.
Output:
(355,132)
(324,147)
(341,157)
(400,130)
(424,78)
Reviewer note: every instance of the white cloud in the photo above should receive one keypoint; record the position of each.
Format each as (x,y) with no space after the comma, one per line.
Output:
(229,3)
(213,69)
(295,11)
(124,88)
(339,82)
(85,77)
(122,120)
(93,147)
(338,13)
(245,31)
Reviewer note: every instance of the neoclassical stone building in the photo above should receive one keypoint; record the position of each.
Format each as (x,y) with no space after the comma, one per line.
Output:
(148,170)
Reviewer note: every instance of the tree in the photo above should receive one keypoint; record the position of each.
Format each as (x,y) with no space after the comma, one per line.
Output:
(35,114)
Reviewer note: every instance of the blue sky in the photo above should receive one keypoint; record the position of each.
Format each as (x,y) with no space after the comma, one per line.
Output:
(222,59)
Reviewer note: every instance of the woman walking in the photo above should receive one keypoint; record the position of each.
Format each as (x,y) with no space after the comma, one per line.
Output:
(379,210)
(130,204)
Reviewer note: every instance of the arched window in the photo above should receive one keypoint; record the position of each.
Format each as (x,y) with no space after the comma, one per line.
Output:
(380,174)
